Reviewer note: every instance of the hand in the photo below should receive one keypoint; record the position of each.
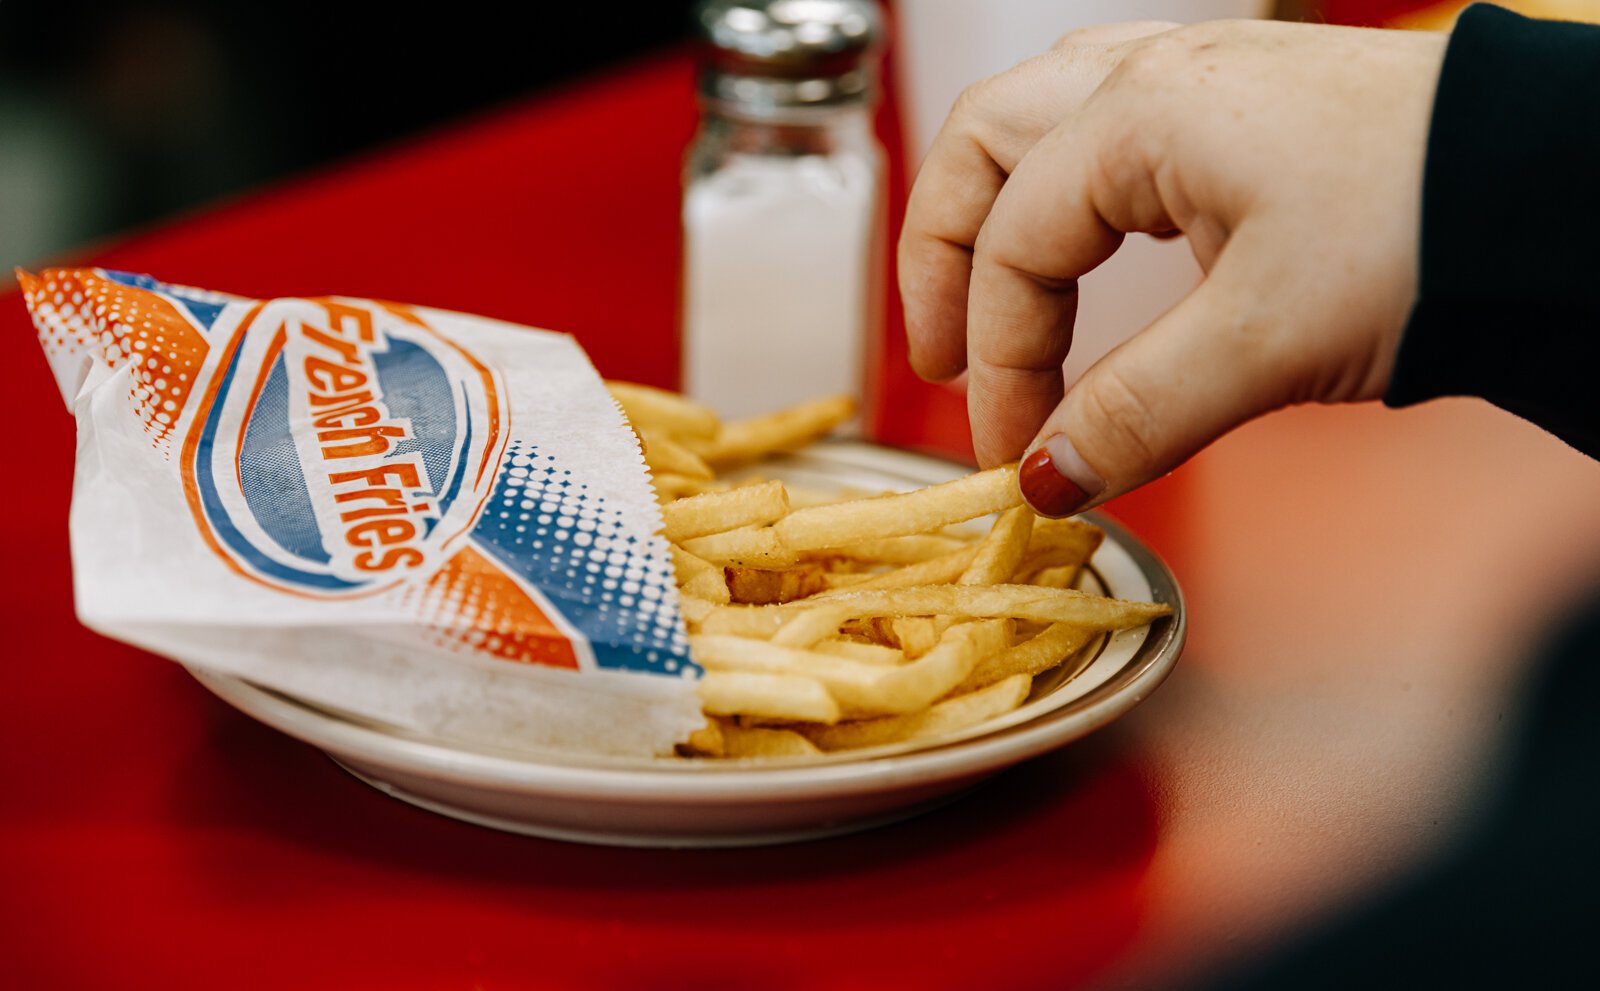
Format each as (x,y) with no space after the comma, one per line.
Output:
(1291,157)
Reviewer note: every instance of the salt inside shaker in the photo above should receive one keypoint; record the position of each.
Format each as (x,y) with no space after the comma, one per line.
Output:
(783,204)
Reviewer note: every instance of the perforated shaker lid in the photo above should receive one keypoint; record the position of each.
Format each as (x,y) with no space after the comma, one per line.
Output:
(785,54)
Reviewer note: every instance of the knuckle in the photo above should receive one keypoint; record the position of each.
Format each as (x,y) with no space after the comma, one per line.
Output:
(1137,66)
(1153,60)
(1121,416)
(1118,150)
(970,103)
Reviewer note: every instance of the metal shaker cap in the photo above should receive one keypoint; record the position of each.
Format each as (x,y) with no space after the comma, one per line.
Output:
(774,55)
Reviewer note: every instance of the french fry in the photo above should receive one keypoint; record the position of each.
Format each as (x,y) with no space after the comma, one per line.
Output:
(760,586)
(768,696)
(786,430)
(949,716)
(748,546)
(665,455)
(1001,551)
(812,626)
(875,629)
(860,650)
(934,571)
(910,549)
(719,512)
(801,496)
(707,741)
(921,682)
(901,515)
(670,486)
(1060,576)
(996,560)
(862,688)
(1031,657)
(758,741)
(1044,605)
(699,577)
(832,580)
(916,634)
(846,680)
(895,611)
(1064,543)
(694,609)
(647,407)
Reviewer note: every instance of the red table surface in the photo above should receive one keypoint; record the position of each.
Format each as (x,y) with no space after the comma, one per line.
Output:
(1355,631)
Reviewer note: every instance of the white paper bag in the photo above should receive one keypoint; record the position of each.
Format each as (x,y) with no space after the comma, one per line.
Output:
(425,518)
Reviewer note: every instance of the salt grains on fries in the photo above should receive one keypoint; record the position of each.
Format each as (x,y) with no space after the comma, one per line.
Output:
(718,512)
(829,623)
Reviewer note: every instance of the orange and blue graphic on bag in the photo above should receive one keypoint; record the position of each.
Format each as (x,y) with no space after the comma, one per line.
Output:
(334,449)
(159,337)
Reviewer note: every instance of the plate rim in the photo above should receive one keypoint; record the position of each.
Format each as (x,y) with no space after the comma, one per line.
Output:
(742,781)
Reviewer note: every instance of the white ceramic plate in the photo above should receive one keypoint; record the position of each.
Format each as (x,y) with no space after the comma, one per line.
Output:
(670,802)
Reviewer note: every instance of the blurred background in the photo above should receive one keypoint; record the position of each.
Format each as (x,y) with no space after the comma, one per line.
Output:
(116,114)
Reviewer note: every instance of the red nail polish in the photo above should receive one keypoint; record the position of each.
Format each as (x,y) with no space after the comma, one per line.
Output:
(1049,492)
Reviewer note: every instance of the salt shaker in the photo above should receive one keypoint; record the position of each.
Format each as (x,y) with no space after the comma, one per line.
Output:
(783,204)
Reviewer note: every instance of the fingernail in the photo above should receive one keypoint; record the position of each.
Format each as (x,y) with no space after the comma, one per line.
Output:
(1055,480)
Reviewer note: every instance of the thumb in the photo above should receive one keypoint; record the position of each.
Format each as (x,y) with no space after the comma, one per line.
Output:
(1163,395)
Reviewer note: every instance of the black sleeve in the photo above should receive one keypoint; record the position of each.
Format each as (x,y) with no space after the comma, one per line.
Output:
(1508,297)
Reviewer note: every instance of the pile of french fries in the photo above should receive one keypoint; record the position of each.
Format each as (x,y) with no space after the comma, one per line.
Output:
(830,621)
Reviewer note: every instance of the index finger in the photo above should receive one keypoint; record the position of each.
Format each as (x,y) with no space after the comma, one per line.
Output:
(991,128)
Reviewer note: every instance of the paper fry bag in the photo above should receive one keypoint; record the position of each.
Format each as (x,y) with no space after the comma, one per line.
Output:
(429,519)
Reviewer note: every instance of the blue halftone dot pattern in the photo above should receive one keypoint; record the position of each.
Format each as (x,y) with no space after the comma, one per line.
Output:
(270,476)
(545,525)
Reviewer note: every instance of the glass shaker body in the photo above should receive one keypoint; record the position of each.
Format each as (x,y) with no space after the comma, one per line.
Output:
(783,255)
